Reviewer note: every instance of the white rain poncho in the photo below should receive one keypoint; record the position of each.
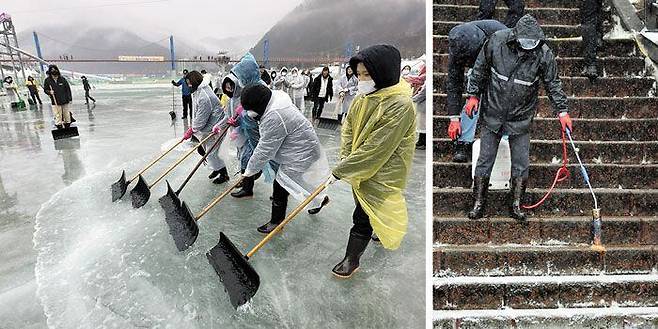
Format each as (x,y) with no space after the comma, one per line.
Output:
(289,139)
(207,113)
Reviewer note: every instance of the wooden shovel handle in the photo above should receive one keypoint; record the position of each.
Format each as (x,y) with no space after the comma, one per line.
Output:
(154,161)
(217,199)
(292,215)
(187,154)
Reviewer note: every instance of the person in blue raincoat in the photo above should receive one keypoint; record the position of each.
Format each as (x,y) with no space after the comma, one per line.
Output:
(244,130)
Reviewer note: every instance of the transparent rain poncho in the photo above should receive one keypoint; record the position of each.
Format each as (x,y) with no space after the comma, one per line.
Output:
(377,147)
(289,139)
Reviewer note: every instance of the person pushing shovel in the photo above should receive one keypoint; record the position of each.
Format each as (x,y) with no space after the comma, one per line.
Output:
(377,146)
(287,138)
(59,91)
(207,113)
(509,69)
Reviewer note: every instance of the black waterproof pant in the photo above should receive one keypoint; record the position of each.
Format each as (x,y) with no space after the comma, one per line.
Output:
(590,26)
(88,97)
(187,103)
(515,12)
(318,106)
(361,221)
(519,150)
(35,97)
(279,203)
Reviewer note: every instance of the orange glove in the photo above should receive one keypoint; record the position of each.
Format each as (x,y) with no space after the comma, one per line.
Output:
(565,121)
(471,106)
(454,129)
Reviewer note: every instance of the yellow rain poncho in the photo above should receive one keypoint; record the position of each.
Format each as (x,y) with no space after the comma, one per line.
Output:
(377,147)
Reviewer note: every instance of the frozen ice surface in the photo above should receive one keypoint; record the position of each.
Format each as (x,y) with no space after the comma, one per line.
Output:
(103,264)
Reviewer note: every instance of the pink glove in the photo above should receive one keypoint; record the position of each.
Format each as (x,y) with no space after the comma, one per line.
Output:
(239,109)
(233,122)
(188,134)
(216,128)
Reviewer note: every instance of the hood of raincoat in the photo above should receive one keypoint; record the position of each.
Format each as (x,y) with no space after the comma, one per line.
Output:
(382,62)
(246,71)
(294,69)
(349,76)
(528,28)
(283,69)
(53,68)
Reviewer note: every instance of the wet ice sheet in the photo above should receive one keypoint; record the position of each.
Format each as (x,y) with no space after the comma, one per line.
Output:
(106,264)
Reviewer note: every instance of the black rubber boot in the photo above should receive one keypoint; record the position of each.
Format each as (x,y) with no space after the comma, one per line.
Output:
(421,143)
(480,189)
(214,174)
(461,152)
(247,189)
(223,176)
(314,211)
(356,245)
(278,215)
(591,72)
(517,190)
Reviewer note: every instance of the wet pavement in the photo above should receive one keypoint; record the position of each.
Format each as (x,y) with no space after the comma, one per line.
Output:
(104,264)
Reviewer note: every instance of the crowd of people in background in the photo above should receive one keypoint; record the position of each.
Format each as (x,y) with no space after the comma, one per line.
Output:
(262,114)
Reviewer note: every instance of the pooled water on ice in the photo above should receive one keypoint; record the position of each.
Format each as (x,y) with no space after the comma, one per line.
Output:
(104,264)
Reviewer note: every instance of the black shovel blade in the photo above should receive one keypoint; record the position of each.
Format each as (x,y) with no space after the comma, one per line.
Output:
(240,280)
(182,226)
(170,199)
(119,187)
(65,133)
(140,194)
(172,114)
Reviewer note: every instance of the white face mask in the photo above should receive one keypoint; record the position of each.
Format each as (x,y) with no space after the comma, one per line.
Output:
(252,114)
(366,87)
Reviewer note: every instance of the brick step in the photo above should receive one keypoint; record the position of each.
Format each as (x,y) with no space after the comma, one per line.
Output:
(551,31)
(544,151)
(467,13)
(572,66)
(544,231)
(546,293)
(585,107)
(527,3)
(562,202)
(579,86)
(521,260)
(450,174)
(584,129)
(558,318)
(567,48)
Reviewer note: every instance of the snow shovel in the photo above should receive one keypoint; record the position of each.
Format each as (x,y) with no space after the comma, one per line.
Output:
(119,187)
(141,193)
(240,279)
(182,223)
(171,198)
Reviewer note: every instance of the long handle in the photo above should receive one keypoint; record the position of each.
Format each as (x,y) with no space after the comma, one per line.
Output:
(289,218)
(217,199)
(52,94)
(154,161)
(202,159)
(179,161)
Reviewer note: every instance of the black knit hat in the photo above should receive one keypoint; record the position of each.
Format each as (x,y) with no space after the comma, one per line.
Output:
(382,63)
(255,98)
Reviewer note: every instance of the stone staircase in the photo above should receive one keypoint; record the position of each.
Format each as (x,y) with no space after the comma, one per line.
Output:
(498,273)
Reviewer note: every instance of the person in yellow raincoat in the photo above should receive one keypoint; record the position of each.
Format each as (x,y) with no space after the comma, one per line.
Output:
(377,147)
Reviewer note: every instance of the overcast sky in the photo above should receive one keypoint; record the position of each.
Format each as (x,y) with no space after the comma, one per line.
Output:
(154,19)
